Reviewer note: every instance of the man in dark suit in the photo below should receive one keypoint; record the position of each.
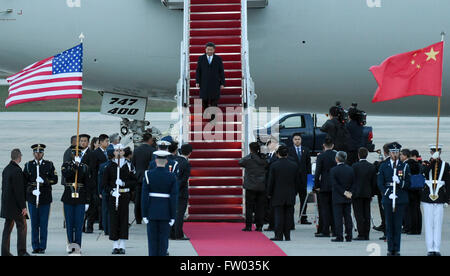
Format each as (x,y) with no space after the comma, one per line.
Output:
(210,76)
(269,217)
(302,157)
(365,180)
(322,184)
(98,157)
(141,158)
(341,178)
(283,180)
(184,172)
(14,209)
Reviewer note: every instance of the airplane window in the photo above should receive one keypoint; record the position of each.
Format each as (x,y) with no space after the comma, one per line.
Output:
(294,122)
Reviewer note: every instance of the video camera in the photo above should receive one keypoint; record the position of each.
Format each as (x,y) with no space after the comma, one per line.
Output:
(353,113)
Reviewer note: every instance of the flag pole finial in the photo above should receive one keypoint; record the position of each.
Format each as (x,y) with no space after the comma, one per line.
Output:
(81,37)
(443,35)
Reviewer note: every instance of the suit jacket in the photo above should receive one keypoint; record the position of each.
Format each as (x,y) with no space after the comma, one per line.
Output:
(365,179)
(384,180)
(161,181)
(325,162)
(341,180)
(13,193)
(47,172)
(141,158)
(97,158)
(282,183)
(304,164)
(210,77)
(184,172)
(255,172)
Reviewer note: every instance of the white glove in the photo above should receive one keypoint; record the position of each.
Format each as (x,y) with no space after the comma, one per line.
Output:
(445,205)
(115,193)
(391,196)
(395,179)
(86,207)
(39,180)
(78,159)
(36,193)
(145,220)
(171,222)
(120,183)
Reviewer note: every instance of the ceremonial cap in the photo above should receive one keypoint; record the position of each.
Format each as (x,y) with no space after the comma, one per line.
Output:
(161,154)
(394,147)
(38,147)
(433,147)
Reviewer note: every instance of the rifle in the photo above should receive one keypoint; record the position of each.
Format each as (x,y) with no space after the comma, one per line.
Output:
(116,194)
(37,192)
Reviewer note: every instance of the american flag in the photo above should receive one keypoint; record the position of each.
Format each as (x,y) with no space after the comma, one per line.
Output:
(57,77)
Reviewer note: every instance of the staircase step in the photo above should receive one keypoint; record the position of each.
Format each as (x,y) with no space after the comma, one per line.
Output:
(203,181)
(213,135)
(228,74)
(222,32)
(197,2)
(215,191)
(193,91)
(216,171)
(215,24)
(226,57)
(218,40)
(216,145)
(216,154)
(234,126)
(216,16)
(225,99)
(219,49)
(214,163)
(213,218)
(227,65)
(206,200)
(226,209)
(216,8)
(225,118)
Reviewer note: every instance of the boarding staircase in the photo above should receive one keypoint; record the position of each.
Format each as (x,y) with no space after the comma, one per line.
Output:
(215,186)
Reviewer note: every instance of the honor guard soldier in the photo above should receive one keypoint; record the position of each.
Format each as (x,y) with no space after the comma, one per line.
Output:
(40,175)
(159,204)
(163,145)
(435,195)
(393,182)
(75,199)
(118,182)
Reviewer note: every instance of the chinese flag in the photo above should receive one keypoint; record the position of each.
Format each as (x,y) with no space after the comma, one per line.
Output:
(414,73)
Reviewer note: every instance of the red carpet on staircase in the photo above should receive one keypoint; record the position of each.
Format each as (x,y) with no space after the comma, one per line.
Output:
(227,239)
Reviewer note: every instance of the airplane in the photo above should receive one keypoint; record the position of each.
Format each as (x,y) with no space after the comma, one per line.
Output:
(303,55)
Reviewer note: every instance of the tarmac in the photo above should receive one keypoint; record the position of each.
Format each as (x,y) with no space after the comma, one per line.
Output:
(22,129)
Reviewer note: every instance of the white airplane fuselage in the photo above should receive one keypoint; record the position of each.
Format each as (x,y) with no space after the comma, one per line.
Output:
(304,54)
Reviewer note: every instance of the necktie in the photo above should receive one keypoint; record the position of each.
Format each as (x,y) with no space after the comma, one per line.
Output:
(299,154)
(209,59)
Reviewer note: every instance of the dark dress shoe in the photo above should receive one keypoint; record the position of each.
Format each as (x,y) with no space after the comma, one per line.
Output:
(337,240)
(269,229)
(276,239)
(437,254)
(287,239)
(41,251)
(246,229)
(348,239)
(26,254)
(390,253)
(321,235)
(89,231)
(361,239)
(383,238)
(115,251)
(258,229)
(396,253)
(305,222)
(121,251)
(431,254)
(379,228)
(184,239)
(35,251)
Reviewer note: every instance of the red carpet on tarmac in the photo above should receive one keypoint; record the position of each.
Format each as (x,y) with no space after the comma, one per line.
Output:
(227,239)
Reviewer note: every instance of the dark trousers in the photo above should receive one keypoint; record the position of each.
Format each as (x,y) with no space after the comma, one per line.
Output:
(415,214)
(177,230)
(352,157)
(39,225)
(394,225)
(343,215)
(302,194)
(284,216)
(208,102)
(21,226)
(269,215)
(158,237)
(326,213)
(74,216)
(94,212)
(137,204)
(361,209)
(105,212)
(254,204)
(118,219)
(380,207)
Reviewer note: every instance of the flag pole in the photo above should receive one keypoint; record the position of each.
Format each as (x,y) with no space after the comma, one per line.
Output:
(75,185)
(437,130)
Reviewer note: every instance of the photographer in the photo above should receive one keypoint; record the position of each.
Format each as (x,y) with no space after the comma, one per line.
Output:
(355,128)
(336,129)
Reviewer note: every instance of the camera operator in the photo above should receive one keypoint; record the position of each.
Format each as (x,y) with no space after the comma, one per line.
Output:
(336,129)
(355,128)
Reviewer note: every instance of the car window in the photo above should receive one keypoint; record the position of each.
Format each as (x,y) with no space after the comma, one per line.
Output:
(294,122)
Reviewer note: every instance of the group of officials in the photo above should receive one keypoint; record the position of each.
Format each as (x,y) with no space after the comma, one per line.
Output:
(100,179)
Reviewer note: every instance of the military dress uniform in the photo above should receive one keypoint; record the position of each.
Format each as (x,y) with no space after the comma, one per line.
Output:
(75,199)
(172,163)
(385,179)
(433,199)
(39,209)
(118,215)
(159,206)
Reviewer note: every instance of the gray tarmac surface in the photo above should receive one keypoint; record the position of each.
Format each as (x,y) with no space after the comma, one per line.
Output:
(21,130)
